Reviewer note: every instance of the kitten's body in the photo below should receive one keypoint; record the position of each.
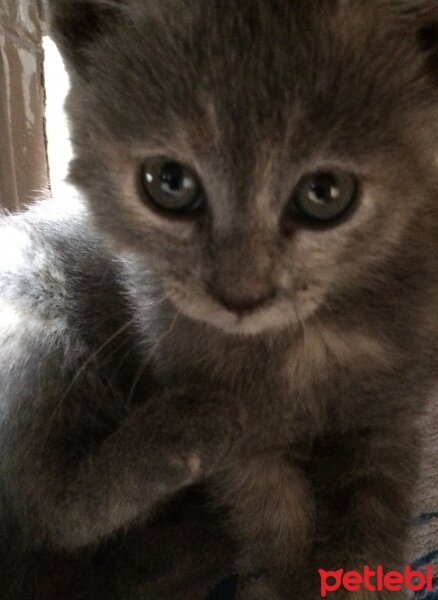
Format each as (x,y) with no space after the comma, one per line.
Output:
(124,379)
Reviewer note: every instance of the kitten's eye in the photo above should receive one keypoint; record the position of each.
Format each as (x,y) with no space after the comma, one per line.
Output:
(326,195)
(171,186)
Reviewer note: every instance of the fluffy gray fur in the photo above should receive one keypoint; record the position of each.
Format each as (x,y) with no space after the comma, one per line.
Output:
(126,380)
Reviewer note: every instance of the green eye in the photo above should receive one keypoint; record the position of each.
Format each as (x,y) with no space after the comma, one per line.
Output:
(325,196)
(172,186)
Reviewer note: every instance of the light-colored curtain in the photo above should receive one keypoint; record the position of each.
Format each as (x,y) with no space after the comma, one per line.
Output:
(23,159)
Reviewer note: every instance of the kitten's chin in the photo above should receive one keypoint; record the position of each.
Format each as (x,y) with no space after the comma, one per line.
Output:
(263,320)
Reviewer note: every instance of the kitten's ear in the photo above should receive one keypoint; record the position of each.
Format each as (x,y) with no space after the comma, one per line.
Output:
(76,25)
(421,18)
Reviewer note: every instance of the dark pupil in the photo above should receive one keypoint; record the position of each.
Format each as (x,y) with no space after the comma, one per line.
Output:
(323,187)
(172,175)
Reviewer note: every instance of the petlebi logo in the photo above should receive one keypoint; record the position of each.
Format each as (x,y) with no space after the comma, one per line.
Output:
(376,580)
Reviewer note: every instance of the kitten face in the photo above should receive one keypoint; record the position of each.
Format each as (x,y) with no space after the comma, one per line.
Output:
(253,100)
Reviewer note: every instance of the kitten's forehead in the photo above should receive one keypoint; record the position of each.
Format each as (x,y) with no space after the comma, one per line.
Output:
(253,70)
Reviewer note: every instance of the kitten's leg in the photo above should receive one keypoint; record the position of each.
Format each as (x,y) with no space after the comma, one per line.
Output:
(271,507)
(362,513)
(364,482)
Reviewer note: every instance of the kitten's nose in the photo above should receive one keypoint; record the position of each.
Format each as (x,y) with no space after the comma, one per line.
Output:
(241,270)
(243,302)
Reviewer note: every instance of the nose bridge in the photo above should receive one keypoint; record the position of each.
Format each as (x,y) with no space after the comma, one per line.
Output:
(242,241)
(241,263)
(245,250)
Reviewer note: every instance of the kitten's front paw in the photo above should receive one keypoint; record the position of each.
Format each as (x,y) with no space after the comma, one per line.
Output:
(189,462)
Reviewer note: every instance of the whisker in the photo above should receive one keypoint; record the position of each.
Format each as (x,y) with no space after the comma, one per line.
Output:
(81,370)
(144,363)
(96,353)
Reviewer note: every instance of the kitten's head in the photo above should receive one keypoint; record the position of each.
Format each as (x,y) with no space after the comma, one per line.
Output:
(263,156)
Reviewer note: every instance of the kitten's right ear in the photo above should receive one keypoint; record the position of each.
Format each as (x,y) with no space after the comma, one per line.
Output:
(76,25)
(420,17)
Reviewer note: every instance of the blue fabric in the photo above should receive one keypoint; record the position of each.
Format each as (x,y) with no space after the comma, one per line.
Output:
(425,560)
(425,518)
(426,595)
(427,524)
(226,590)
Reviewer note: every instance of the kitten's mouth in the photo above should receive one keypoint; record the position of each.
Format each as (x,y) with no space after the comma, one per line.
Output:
(242,318)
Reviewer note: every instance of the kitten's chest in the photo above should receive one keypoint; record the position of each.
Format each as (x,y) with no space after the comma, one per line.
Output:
(294,382)
(254,374)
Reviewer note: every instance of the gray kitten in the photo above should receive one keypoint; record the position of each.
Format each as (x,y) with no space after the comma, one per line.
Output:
(247,298)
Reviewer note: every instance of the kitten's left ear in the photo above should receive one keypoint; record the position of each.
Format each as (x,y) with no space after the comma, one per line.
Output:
(421,18)
(76,25)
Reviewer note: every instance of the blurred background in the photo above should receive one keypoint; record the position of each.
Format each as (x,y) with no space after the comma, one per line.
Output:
(34,145)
